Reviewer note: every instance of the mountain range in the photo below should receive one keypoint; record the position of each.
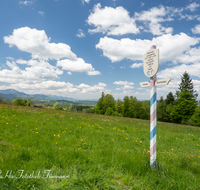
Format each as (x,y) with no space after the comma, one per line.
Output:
(12,93)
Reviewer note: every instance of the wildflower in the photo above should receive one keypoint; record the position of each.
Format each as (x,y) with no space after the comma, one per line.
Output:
(140,141)
(54,135)
(126,138)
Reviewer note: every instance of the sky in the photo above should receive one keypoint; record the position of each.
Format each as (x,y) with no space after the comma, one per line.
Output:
(79,48)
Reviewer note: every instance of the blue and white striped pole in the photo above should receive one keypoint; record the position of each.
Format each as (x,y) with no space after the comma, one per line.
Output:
(153,119)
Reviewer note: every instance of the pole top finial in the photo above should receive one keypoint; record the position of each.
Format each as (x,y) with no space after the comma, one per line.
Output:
(153,47)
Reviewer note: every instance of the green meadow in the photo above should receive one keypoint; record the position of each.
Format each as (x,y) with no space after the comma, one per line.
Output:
(53,149)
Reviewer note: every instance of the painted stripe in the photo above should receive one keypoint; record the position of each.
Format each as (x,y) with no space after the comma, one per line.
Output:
(153,124)
(153,115)
(152,82)
(152,141)
(153,99)
(153,133)
(153,149)
(153,107)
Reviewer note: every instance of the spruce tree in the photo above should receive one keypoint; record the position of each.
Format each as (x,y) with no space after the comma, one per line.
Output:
(186,83)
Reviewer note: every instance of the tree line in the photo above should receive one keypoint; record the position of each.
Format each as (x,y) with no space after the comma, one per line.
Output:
(129,107)
(179,108)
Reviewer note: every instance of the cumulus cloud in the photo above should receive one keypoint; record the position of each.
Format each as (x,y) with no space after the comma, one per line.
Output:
(154,16)
(126,85)
(41,13)
(38,44)
(112,21)
(177,71)
(26,2)
(196,29)
(171,47)
(88,89)
(192,7)
(78,65)
(136,65)
(36,71)
(80,33)
(87,1)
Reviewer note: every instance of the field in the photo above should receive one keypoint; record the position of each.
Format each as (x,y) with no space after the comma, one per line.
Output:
(51,149)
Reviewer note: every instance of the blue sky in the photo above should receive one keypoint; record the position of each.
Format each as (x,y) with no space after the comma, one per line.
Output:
(79,48)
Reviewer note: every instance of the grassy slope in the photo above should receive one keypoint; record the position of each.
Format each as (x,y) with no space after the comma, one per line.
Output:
(95,151)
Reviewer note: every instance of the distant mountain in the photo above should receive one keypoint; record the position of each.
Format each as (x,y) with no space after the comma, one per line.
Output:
(12,93)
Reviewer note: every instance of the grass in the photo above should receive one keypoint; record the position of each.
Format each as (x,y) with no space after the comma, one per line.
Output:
(50,149)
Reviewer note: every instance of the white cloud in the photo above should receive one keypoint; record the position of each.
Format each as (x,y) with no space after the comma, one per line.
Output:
(196,30)
(41,13)
(136,65)
(192,7)
(85,1)
(113,21)
(171,47)
(126,85)
(37,71)
(123,83)
(154,16)
(69,73)
(26,2)
(77,66)
(142,4)
(38,44)
(88,89)
(80,33)
(177,71)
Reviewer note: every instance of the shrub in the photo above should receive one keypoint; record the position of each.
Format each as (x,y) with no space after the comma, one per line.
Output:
(19,102)
(109,111)
(196,117)
(89,110)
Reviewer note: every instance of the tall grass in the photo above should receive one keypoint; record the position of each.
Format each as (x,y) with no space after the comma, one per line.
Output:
(40,146)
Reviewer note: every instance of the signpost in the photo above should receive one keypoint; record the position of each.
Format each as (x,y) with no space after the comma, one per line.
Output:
(150,67)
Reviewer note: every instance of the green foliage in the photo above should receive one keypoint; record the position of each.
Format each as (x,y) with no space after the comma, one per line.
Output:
(89,110)
(125,107)
(108,101)
(196,117)
(184,109)
(161,110)
(99,106)
(29,102)
(132,109)
(170,99)
(186,83)
(57,106)
(19,102)
(109,111)
(118,106)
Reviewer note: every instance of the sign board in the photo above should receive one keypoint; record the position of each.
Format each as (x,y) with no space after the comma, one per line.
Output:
(162,82)
(151,62)
(145,84)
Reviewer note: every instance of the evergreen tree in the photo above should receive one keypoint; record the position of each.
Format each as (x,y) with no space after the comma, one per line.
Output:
(132,106)
(184,109)
(161,110)
(170,99)
(108,101)
(186,83)
(118,106)
(99,107)
(125,107)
